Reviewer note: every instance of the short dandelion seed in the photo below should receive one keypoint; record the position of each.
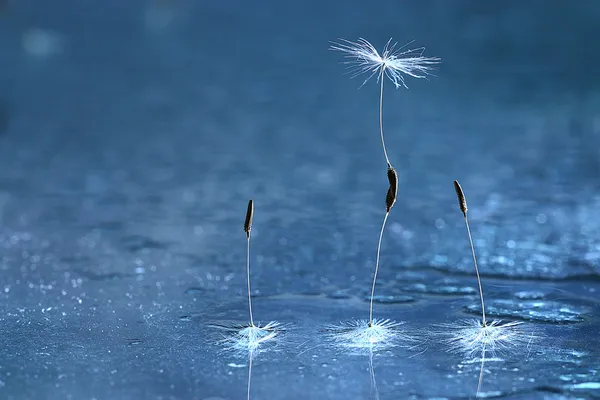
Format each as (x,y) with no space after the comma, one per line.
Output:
(250,337)
(470,337)
(481,336)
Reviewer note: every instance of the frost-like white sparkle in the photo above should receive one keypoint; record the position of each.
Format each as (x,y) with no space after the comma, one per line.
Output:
(359,334)
(250,338)
(471,336)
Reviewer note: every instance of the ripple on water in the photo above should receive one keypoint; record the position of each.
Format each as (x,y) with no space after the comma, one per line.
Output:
(530,295)
(440,289)
(532,310)
(390,299)
(339,294)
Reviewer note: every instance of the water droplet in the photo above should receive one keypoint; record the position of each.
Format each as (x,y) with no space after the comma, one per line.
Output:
(195,291)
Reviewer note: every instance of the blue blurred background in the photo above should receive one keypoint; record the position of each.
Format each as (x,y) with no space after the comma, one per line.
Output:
(132,134)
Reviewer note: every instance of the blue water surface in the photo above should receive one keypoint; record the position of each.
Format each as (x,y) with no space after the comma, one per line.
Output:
(133,133)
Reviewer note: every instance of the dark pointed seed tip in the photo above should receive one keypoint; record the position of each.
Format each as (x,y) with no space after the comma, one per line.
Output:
(248,221)
(392,192)
(392,176)
(462,201)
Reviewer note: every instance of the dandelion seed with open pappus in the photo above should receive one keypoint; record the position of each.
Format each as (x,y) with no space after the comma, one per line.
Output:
(393,62)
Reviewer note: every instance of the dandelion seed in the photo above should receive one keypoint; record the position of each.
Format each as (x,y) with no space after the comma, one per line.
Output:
(372,333)
(462,203)
(249,337)
(393,62)
(473,336)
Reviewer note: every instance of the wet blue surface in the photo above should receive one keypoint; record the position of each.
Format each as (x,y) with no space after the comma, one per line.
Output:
(128,155)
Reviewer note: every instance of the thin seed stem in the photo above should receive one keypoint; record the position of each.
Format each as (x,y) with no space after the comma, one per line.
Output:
(480,372)
(248,274)
(381,117)
(476,271)
(376,269)
(250,372)
(372,371)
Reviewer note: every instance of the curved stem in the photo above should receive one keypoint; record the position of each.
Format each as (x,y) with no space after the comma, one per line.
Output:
(476,271)
(376,269)
(248,274)
(381,116)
